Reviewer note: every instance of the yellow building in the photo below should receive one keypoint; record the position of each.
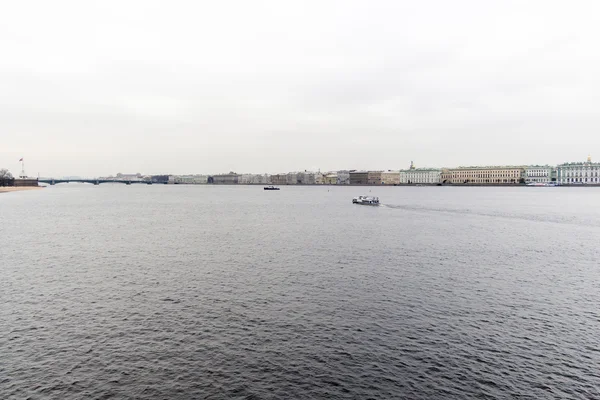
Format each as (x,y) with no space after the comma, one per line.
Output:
(494,175)
(390,178)
(330,179)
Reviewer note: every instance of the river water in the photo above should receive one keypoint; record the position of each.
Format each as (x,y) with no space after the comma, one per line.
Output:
(212,292)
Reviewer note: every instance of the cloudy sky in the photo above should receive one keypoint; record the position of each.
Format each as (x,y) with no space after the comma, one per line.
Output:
(98,87)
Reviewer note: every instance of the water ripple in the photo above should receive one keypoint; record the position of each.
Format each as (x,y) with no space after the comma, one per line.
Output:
(164,292)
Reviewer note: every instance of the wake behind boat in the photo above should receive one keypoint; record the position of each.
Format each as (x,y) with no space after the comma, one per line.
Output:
(366,200)
(271,188)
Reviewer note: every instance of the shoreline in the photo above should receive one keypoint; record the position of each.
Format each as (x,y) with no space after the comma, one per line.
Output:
(8,189)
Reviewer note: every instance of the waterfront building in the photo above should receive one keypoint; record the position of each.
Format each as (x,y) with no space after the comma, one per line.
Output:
(359,177)
(129,177)
(330,179)
(254,179)
(390,177)
(245,179)
(279,179)
(343,177)
(263,179)
(226,179)
(374,177)
(420,176)
(484,175)
(305,178)
(159,179)
(190,179)
(319,178)
(578,173)
(20,182)
(292,178)
(539,174)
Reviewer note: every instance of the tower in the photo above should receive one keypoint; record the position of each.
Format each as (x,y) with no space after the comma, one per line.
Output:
(589,159)
(23,176)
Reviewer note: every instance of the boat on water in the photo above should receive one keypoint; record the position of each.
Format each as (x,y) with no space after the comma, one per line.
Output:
(542,184)
(366,200)
(271,188)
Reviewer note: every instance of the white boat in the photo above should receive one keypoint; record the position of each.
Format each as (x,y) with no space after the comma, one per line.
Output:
(542,184)
(366,200)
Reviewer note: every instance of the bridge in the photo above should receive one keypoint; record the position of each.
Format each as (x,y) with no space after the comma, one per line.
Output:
(93,181)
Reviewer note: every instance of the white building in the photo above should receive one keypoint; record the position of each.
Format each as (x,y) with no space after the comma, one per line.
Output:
(343,177)
(129,177)
(305,178)
(254,179)
(190,179)
(292,178)
(587,173)
(319,178)
(538,174)
(308,178)
(421,176)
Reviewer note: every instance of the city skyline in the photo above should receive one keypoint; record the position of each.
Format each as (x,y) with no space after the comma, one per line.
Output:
(137,86)
(411,165)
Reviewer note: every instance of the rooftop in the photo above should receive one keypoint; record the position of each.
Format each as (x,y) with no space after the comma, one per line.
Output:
(490,167)
(421,170)
(579,164)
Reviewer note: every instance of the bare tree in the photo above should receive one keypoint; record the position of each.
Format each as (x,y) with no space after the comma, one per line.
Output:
(6,178)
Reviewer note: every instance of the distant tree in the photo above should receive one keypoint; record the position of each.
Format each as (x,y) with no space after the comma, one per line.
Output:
(6,178)
(522,181)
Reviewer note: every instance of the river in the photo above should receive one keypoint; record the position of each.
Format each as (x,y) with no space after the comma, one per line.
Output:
(213,292)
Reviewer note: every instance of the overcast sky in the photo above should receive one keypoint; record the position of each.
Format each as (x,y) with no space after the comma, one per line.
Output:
(94,88)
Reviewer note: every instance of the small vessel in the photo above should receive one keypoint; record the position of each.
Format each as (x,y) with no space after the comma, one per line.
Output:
(271,188)
(366,200)
(543,184)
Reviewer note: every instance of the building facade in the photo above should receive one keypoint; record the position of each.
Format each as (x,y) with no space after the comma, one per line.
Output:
(539,174)
(429,176)
(374,178)
(190,179)
(587,173)
(279,179)
(21,182)
(390,177)
(292,178)
(226,179)
(484,175)
(319,178)
(164,179)
(129,177)
(330,179)
(305,178)
(254,179)
(343,177)
(359,177)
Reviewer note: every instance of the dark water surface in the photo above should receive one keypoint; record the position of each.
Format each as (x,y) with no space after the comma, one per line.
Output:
(181,292)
